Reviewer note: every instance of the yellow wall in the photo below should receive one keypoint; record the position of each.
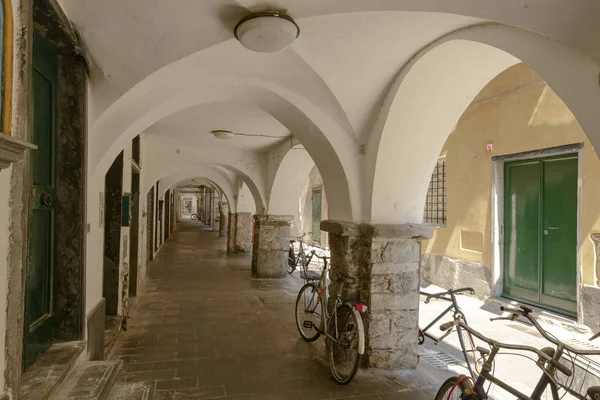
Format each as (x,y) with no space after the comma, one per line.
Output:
(517,112)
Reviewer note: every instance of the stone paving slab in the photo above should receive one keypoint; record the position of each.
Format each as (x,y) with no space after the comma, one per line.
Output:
(199,332)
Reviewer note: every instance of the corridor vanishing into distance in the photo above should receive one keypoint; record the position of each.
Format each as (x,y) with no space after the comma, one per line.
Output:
(204,329)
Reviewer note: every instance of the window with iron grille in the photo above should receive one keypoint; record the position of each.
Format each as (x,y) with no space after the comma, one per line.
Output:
(436,205)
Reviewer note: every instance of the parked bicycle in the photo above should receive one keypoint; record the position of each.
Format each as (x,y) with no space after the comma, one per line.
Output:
(343,327)
(464,337)
(555,374)
(296,259)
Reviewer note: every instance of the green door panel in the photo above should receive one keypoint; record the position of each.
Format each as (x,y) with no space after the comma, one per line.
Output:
(559,234)
(540,232)
(39,300)
(521,247)
(316,215)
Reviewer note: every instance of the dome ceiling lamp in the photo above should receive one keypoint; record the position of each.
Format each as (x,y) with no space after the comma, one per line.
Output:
(267,31)
(225,134)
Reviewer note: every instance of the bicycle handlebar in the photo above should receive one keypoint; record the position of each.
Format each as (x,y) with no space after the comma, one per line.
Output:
(324,258)
(442,295)
(516,313)
(493,343)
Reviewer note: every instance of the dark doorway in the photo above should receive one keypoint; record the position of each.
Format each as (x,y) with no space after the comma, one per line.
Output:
(113,198)
(150,225)
(134,233)
(39,297)
(159,222)
(167,214)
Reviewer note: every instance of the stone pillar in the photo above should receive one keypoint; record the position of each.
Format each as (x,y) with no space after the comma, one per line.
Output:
(385,260)
(271,245)
(231,232)
(243,233)
(223,219)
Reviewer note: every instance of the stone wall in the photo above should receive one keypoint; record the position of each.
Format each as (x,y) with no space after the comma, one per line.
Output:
(385,261)
(271,245)
(449,273)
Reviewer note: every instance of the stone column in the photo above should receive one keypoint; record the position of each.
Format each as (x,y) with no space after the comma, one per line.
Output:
(223,219)
(385,260)
(271,245)
(231,232)
(243,234)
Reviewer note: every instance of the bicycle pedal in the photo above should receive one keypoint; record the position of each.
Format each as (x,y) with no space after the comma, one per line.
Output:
(308,324)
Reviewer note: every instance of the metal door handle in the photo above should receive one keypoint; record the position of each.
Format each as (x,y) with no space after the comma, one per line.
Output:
(46,199)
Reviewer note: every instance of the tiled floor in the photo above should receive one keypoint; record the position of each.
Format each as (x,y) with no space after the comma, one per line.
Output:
(203,329)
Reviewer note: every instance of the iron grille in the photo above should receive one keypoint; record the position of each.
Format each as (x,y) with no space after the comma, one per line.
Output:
(436,205)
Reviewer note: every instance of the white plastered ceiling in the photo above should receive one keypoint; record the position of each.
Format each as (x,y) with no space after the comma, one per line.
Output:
(175,71)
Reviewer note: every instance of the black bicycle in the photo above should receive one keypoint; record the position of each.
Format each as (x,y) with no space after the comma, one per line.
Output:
(463,336)
(555,375)
(298,258)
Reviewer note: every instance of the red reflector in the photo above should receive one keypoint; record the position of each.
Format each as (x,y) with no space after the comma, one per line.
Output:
(360,307)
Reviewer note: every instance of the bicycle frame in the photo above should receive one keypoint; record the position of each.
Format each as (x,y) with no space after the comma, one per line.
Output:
(486,375)
(456,314)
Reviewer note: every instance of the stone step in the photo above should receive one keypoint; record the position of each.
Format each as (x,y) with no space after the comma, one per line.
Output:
(90,380)
(46,376)
(132,391)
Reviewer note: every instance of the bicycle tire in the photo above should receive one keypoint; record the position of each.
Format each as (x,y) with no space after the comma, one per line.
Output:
(308,334)
(444,391)
(347,342)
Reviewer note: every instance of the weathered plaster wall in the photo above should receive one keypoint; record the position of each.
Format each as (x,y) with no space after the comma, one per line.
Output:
(518,112)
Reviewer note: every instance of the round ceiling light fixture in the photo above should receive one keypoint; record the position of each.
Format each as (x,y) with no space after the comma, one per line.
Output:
(222,134)
(267,31)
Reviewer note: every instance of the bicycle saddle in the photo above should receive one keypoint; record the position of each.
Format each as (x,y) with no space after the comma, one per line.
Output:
(292,241)
(345,279)
(594,392)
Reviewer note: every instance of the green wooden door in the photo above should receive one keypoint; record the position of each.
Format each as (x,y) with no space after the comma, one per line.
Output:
(316,215)
(38,321)
(540,232)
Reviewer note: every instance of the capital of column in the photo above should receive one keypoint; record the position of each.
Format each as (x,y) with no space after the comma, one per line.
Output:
(275,219)
(391,231)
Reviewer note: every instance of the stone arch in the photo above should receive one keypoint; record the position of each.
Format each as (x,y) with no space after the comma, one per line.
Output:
(225,176)
(289,181)
(435,87)
(214,175)
(334,153)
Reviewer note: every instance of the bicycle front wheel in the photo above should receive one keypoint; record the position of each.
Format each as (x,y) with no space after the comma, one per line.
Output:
(309,312)
(343,347)
(454,388)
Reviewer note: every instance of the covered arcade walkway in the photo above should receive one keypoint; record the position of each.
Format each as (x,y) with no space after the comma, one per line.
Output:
(204,329)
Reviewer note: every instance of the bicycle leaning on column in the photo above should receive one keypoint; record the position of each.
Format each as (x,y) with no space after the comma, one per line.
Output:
(342,327)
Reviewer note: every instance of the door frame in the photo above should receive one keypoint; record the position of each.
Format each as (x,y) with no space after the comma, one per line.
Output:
(497,236)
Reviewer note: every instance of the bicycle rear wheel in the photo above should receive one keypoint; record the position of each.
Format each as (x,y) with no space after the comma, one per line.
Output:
(343,351)
(454,388)
(309,312)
